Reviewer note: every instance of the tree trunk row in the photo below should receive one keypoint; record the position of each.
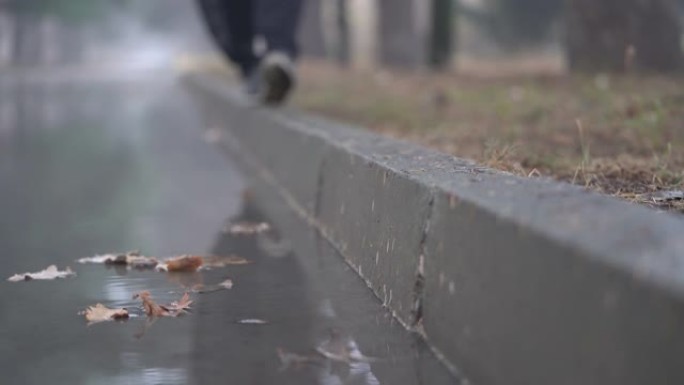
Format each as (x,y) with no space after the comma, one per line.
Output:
(623,35)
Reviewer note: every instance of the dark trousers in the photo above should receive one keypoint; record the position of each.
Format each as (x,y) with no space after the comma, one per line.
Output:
(235,23)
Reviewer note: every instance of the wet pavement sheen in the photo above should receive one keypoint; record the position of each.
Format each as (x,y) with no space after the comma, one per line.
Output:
(89,167)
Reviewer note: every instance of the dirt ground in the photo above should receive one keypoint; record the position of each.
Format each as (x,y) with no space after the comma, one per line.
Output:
(619,135)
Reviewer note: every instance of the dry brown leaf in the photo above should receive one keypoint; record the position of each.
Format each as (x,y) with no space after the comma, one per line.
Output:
(152,309)
(248,228)
(174,309)
(216,261)
(184,263)
(50,273)
(182,304)
(100,313)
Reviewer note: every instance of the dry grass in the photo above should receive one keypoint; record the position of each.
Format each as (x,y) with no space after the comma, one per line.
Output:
(618,135)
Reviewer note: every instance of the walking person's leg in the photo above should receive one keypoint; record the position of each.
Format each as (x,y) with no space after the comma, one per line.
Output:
(235,23)
(231,24)
(276,21)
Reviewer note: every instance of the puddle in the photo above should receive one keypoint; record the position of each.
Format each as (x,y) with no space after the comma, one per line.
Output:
(165,191)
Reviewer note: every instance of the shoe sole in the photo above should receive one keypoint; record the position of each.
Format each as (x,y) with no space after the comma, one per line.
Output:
(277,84)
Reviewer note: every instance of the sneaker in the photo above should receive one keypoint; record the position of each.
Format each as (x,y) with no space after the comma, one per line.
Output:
(277,78)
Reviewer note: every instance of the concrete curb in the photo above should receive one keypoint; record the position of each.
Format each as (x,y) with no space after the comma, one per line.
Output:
(516,281)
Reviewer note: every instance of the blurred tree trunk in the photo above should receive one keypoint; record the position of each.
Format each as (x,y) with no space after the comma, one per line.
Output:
(7,22)
(47,46)
(71,44)
(26,47)
(404,32)
(19,47)
(310,31)
(441,39)
(335,30)
(623,35)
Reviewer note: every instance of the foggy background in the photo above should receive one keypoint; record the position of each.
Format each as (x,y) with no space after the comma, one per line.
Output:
(485,36)
(125,33)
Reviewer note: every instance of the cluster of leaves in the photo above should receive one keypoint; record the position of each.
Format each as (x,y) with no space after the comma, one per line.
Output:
(101,313)
(184,263)
(191,264)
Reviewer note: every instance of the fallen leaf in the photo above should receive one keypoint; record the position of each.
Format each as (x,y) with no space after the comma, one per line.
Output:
(184,263)
(248,228)
(100,258)
(141,262)
(132,258)
(252,321)
(182,304)
(152,309)
(50,273)
(100,313)
(216,261)
(174,309)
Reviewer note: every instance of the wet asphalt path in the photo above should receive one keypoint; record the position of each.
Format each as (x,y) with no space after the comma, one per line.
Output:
(95,166)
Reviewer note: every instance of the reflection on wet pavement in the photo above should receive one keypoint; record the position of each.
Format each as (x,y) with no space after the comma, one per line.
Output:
(93,168)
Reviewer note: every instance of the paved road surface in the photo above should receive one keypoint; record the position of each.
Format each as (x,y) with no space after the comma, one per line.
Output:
(91,165)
